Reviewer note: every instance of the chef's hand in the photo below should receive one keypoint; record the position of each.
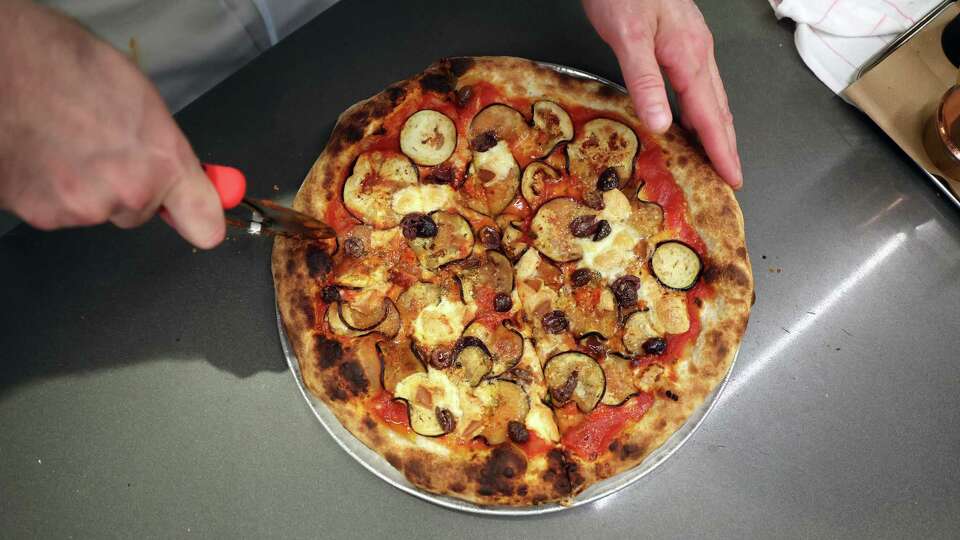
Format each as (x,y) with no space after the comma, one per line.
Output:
(646,35)
(85,138)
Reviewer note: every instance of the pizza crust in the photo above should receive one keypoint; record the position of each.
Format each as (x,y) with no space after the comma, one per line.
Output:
(337,374)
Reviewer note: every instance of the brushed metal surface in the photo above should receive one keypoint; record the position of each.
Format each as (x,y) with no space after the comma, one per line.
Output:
(143,392)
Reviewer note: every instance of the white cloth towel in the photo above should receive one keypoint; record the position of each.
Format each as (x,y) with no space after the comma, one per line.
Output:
(836,37)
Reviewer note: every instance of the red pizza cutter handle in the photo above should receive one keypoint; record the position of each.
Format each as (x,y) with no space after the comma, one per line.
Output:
(229,182)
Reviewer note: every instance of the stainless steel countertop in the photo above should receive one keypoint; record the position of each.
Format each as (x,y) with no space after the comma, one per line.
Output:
(143,391)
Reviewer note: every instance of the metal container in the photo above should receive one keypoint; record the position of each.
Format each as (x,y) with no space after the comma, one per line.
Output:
(940,136)
(379,466)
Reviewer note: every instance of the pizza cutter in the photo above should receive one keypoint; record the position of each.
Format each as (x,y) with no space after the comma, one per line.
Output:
(266,217)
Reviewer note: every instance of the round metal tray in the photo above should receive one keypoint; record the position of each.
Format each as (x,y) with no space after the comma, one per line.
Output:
(379,466)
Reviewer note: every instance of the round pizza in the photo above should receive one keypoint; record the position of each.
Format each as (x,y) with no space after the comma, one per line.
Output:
(528,292)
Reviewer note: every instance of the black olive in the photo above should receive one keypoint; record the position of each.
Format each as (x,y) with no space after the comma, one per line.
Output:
(672,396)
(518,432)
(581,277)
(603,230)
(608,179)
(502,302)
(583,226)
(441,358)
(426,227)
(354,247)
(625,290)
(489,237)
(446,420)
(555,322)
(441,175)
(330,294)
(656,345)
(484,141)
(408,225)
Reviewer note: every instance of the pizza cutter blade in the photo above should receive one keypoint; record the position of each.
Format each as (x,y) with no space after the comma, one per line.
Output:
(265,216)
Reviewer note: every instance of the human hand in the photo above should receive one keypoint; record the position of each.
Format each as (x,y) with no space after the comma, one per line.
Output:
(85,138)
(648,34)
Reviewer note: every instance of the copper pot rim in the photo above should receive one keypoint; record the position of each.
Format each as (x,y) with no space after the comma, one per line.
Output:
(943,131)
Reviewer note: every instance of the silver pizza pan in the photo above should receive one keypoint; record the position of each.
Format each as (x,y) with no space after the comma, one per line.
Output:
(379,466)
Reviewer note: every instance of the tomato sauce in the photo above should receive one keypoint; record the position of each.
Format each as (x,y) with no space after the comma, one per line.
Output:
(486,314)
(391,411)
(535,446)
(603,424)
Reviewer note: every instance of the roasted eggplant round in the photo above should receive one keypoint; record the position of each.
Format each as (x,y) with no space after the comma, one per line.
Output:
(676,265)
(601,144)
(503,402)
(533,183)
(433,402)
(574,376)
(368,191)
(428,137)
(453,241)
(505,344)
(637,329)
(397,362)
(551,229)
(389,325)
(472,360)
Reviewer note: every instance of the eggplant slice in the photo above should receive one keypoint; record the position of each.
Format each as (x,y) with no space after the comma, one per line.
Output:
(428,137)
(495,272)
(505,345)
(472,364)
(492,180)
(647,218)
(512,239)
(637,329)
(417,296)
(368,191)
(574,376)
(590,317)
(427,394)
(534,181)
(453,241)
(503,402)
(602,144)
(397,362)
(496,122)
(550,126)
(553,124)
(676,265)
(620,379)
(389,326)
(551,229)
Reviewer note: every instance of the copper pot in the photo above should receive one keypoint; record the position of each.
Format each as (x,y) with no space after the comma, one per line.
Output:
(942,134)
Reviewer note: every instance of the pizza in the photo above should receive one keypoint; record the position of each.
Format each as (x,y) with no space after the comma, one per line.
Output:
(528,292)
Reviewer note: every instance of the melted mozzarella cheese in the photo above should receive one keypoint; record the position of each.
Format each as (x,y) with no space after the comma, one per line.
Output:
(540,420)
(498,160)
(443,392)
(421,198)
(441,323)
(611,256)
